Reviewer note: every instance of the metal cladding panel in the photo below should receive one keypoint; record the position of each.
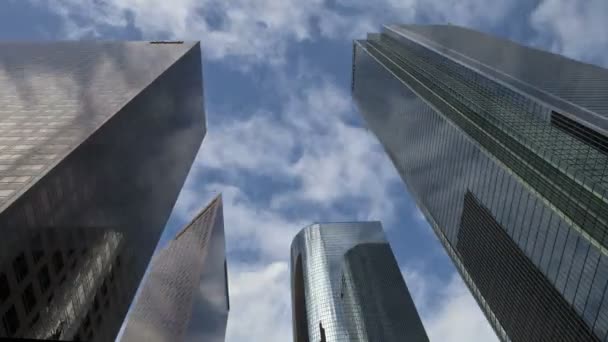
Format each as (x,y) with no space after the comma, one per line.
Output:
(97,139)
(321,248)
(184,297)
(583,85)
(450,130)
(377,302)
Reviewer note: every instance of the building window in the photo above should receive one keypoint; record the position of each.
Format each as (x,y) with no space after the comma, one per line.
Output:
(579,131)
(58,261)
(44,280)
(37,250)
(28,298)
(20,267)
(4,288)
(87,322)
(10,321)
(35,320)
(104,288)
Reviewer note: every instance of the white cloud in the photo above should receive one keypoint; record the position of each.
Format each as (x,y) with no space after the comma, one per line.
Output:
(448,311)
(574,28)
(260,302)
(458,310)
(259,32)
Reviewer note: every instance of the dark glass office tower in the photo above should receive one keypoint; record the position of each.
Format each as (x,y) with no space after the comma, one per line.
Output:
(96,139)
(346,286)
(184,297)
(504,148)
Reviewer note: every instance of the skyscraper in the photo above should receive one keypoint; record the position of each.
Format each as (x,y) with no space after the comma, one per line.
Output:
(185,295)
(504,149)
(376,298)
(346,286)
(96,139)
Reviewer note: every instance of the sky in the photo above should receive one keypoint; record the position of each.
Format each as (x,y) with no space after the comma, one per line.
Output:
(285,144)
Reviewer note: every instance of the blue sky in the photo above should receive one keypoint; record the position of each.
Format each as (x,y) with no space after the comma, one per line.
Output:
(285,144)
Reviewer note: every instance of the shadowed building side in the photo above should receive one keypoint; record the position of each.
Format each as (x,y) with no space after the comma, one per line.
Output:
(376,298)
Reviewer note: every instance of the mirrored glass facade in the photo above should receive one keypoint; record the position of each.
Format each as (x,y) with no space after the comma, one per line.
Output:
(184,297)
(521,133)
(376,301)
(96,139)
(336,298)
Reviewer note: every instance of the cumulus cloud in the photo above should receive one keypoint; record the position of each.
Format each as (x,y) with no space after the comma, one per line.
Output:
(309,141)
(446,309)
(260,303)
(574,28)
(260,32)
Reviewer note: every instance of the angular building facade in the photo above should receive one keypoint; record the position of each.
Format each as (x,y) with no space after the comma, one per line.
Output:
(376,298)
(504,149)
(184,297)
(96,140)
(346,286)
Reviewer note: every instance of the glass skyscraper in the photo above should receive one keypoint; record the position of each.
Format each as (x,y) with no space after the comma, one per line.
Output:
(184,297)
(346,286)
(504,149)
(96,140)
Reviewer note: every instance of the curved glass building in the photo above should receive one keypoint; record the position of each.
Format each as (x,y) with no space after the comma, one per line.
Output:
(346,286)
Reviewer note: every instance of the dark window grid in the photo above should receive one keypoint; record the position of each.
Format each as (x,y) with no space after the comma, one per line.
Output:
(5,288)
(485,264)
(482,258)
(57,261)
(20,267)
(10,321)
(44,279)
(28,298)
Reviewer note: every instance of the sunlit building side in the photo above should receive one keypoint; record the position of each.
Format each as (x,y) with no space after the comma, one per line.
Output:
(184,297)
(96,140)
